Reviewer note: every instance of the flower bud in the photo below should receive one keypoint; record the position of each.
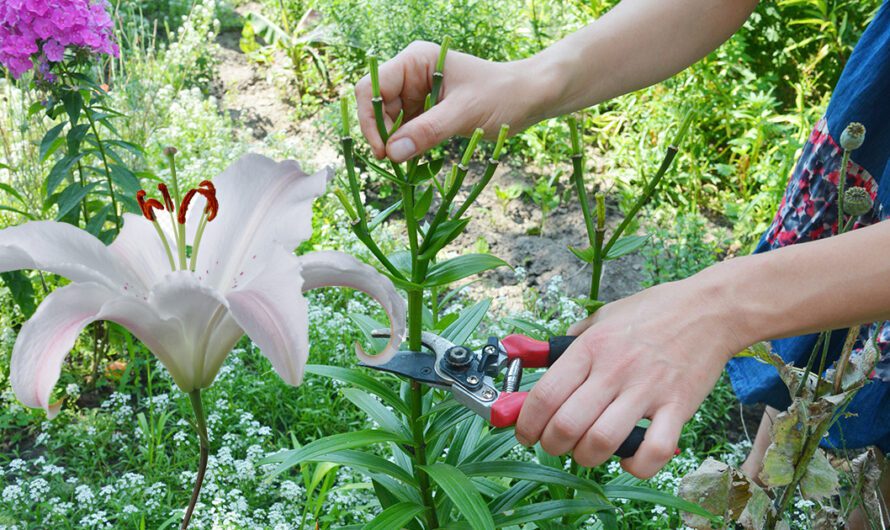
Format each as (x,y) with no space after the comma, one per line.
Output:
(853,136)
(857,201)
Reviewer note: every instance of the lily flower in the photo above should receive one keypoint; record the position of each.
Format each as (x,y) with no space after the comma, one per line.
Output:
(190,283)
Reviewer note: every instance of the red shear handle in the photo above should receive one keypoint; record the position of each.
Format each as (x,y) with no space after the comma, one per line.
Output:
(505,412)
(535,353)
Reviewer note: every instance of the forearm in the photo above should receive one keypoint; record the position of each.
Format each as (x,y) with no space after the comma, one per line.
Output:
(636,44)
(826,284)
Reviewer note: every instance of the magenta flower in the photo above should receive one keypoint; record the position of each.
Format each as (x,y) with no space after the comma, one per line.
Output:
(41,31)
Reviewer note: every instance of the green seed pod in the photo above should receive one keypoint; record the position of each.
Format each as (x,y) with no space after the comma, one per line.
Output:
(857,201)
(853,136)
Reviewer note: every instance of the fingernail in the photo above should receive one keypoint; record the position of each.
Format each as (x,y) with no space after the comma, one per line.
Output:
(401,149)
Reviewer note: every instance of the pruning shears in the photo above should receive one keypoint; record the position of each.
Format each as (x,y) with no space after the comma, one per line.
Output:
(470,375)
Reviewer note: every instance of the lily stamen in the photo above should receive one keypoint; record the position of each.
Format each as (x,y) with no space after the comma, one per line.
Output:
(148,207)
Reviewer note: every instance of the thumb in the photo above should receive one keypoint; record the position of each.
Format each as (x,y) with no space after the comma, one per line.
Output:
(424,132)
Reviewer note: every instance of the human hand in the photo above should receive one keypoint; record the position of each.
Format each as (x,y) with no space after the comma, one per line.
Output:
(475,94)
(654,355)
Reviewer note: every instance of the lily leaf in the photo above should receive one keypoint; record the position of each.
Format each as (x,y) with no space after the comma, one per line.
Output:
(583,254)
(396,516)
(626,245)
(361,380)
(323,446)
(467,322)
(463,494)
(458,268)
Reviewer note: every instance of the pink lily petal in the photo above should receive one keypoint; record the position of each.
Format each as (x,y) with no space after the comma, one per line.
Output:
(200,330)
(185,324)
(139,248)
(263,204)
(45,340)
(272,311)
(330,268)
(62,249)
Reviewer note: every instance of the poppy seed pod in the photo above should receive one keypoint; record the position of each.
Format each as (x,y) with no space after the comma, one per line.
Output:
(853,136)
(857,201)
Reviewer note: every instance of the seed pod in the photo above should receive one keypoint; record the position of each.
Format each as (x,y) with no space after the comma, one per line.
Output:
(853,136)
(857,201)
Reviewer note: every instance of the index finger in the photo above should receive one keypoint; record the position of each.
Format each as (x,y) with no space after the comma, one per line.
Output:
(551,391)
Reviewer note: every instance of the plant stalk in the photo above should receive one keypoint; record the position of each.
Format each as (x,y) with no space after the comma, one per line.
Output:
(201,427)
(101,146)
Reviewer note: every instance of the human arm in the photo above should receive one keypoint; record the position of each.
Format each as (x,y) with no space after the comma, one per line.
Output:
(658,354)
(635,44)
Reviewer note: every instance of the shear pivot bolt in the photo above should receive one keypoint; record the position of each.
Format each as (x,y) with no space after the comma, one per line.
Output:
(472,380)
(458,356)
(488,394)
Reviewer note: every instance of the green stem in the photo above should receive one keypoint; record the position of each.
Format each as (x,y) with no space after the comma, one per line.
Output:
(201,427)
(83,203)
(598,255)
(648,191)
(439,74)
(841,184)
(415,329)
(490,168)
(101,146)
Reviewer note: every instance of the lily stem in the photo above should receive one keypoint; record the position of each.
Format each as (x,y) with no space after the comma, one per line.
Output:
(201,427)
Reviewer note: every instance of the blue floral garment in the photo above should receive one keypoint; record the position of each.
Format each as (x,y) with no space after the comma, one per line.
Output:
(809,211)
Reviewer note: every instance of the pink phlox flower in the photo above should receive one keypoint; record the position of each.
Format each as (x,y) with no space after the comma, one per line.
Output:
(27,26)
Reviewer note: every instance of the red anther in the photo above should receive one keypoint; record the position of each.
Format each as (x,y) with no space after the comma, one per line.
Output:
(207,184)
(147,206)
(168,201)
(184,206)
(212,204)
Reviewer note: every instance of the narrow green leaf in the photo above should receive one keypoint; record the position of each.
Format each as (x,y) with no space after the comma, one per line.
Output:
(323,446)
(423,203)
(428,170)
(125,179)
(469,319)
(22,291)
(14,192)
(626,245)
(367,325)
(530,471)
(49,142)
(129,146)
(71,196)
(377,412)
(494,447)
(395,517)
(97,221)
(547,510)
(583,254)
(361,380)
(382,216)
(59,171)
(513,496)
(75,136)
(653,496)
(73,102)
(458,268)
(371,463)
(463,494)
